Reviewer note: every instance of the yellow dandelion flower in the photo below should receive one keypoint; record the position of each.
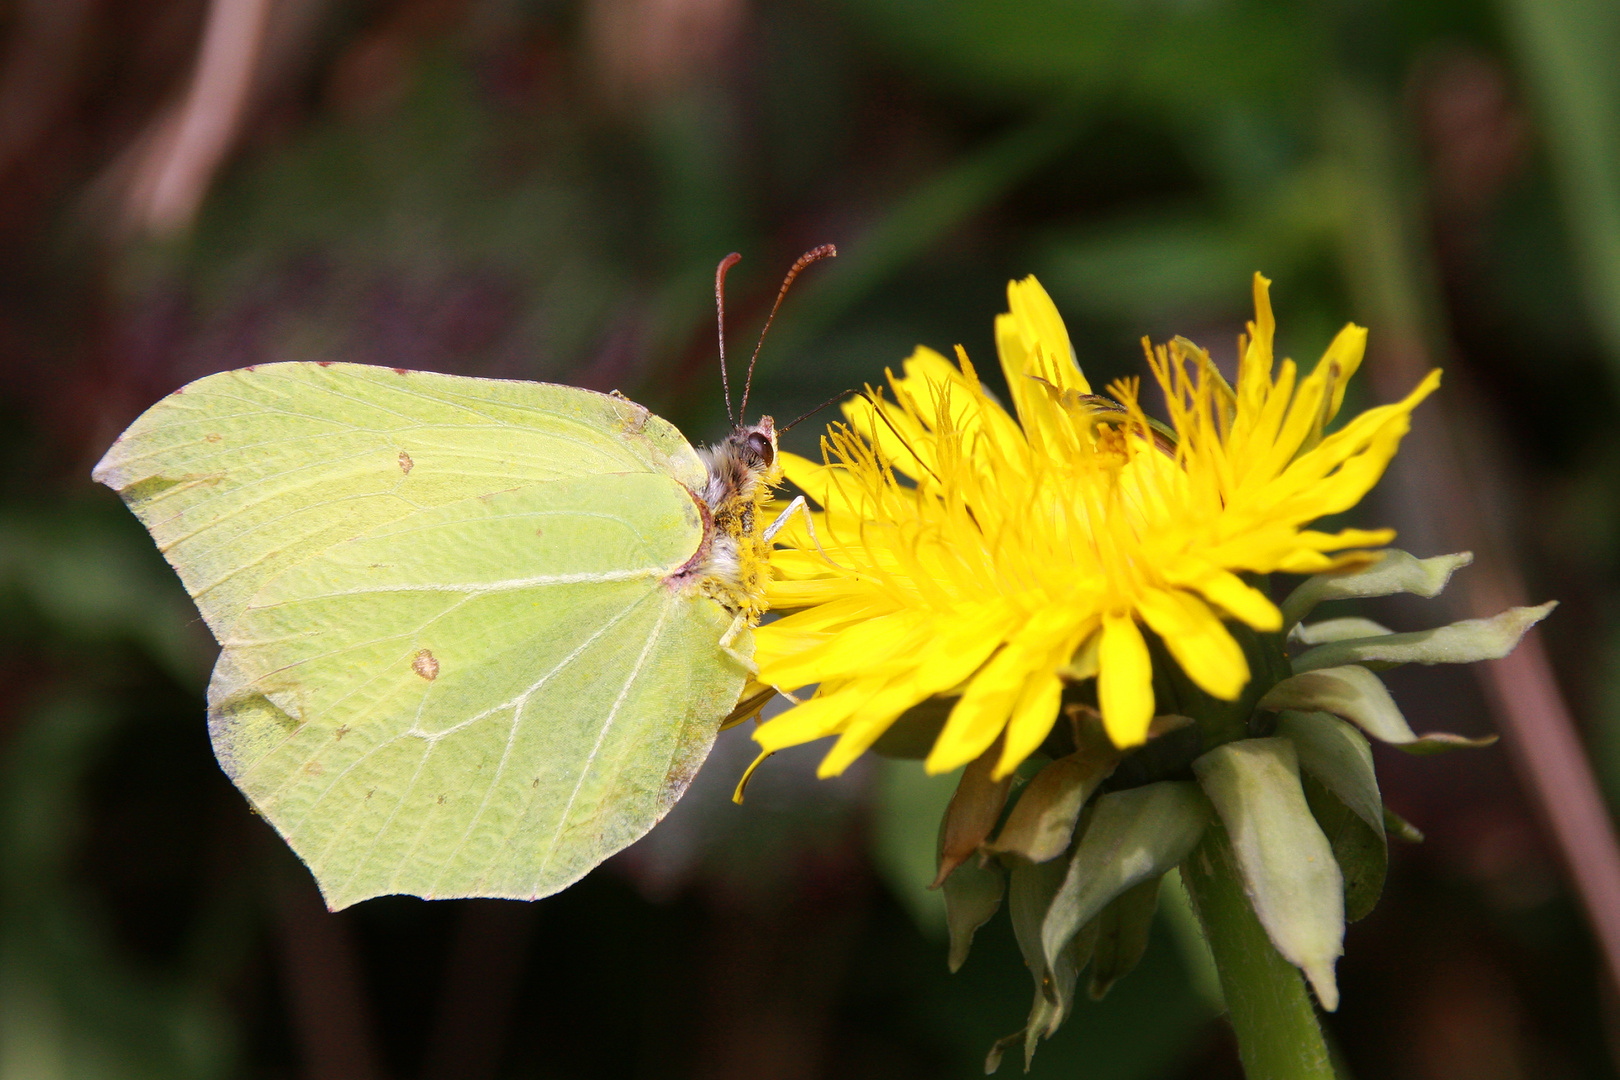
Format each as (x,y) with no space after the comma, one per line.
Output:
(961,553)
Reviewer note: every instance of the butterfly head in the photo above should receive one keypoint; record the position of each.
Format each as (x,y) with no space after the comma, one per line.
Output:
(742,467)
(757,444)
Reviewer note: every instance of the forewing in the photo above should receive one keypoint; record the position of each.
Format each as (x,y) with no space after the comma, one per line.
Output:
(483,699)
(245,473)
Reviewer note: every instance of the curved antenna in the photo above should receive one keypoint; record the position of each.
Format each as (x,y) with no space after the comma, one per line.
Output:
(814,254)
(720,316)
(784,429)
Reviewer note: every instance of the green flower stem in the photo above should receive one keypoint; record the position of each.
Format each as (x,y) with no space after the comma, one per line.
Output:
(1277,1032)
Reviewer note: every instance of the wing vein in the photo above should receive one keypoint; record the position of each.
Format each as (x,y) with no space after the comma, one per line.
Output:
(518,704)
(596,748)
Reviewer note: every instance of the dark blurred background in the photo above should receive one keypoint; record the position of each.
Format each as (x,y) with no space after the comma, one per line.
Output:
(540,189)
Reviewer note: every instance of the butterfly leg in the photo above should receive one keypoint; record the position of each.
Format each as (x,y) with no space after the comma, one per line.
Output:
(798,505)
(737,624)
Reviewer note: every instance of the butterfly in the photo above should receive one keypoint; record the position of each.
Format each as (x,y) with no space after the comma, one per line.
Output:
(475,635)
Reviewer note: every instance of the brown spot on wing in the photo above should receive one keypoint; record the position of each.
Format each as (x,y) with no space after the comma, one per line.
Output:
(212,436)
(405,462)
(426,665)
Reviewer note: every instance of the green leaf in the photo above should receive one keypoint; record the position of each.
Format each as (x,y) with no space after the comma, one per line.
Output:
(1361,698)
(1042,820)
(1132,836)
(1342,789)
(1458,643)
(1030,896)
(1396,572)
(1320,633)
(456,657)
(972,896)
(1338,755)
(1359,849)
(1123,930)
(1286,861)
(1400,828)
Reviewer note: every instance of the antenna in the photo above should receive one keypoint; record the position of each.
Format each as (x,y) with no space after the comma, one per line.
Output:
(789,427)
(823,252)
(720,316)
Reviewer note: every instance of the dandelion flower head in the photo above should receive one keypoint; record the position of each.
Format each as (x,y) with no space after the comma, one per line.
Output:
(962,553)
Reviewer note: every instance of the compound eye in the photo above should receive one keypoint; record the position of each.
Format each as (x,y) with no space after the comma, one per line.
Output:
(760,447)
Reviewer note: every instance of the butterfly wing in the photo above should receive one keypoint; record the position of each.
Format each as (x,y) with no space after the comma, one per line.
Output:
(242,474)
(454,661)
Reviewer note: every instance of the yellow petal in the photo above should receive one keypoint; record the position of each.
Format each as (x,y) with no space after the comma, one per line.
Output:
(901,440)
(1258,356)
(961,649)
(833,615)
(1355,436)
(1346,538)
(820,482)
(869,723)
(1304,562)
(1198,641)
(1124,681)
(784,642)
(799,563)
(1343,358)
(981,712)
(815,719)
(1032,718)
(932,380)
(1034,344)
(1302,423)
(1042,328)
(800,594)
(1241,601)
(858,649)
(927,572)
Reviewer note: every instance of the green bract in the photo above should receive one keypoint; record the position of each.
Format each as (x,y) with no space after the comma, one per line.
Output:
(456,656)
(1270,803)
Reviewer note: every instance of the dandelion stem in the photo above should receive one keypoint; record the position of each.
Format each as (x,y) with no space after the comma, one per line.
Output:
(1266,1000)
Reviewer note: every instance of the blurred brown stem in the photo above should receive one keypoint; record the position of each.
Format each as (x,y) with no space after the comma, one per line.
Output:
(321,971)
(187,147)
(1394,288)
(487,959)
